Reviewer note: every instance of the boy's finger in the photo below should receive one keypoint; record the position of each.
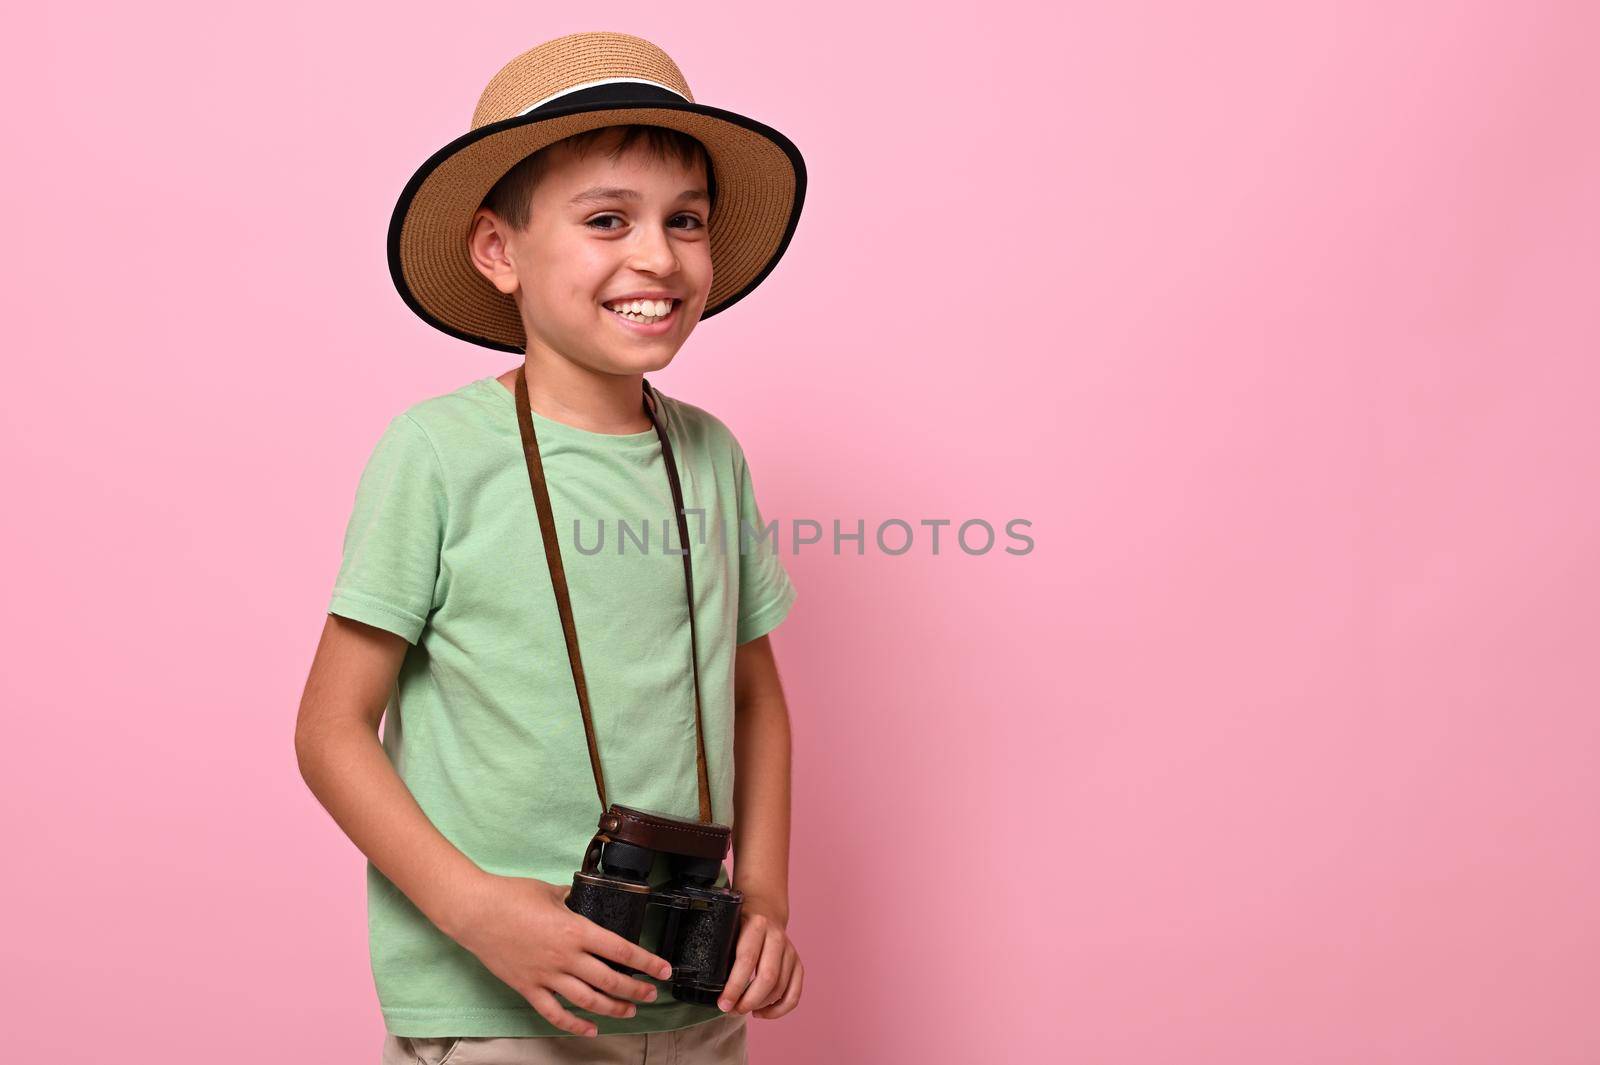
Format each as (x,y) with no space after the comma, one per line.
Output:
(746,954)
(586,997)
(790,957)
(551,1010)
(591,970)
(608,944)
(768,969)
(790,999)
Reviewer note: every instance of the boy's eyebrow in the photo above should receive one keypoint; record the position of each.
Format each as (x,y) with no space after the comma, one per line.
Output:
(601,193)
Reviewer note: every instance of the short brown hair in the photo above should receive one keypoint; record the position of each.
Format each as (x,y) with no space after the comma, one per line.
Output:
(512,196)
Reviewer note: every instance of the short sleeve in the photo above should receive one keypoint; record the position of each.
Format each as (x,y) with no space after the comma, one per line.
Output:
(765,591)
(390,567)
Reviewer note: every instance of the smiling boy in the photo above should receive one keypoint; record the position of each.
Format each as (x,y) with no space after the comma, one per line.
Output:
(594,215)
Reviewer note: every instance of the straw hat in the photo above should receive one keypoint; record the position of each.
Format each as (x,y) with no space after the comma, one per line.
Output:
(571,84)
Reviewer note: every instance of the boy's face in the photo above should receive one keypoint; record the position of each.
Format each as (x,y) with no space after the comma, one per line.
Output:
(580,252)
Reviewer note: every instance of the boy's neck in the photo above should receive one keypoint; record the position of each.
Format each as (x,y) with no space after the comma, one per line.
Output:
(598,403)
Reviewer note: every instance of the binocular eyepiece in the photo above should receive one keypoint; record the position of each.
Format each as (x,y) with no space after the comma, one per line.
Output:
(702,920)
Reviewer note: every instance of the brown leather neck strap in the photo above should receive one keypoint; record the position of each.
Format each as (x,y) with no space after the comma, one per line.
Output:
(558,578)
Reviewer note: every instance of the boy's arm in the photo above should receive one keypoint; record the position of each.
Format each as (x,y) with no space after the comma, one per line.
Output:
(519,927)
(761,782)
(344,765)
(767,975)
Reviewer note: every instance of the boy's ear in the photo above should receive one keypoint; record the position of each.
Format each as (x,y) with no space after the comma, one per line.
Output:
(490,252)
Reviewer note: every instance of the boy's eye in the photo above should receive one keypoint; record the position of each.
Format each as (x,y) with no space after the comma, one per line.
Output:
(593,222)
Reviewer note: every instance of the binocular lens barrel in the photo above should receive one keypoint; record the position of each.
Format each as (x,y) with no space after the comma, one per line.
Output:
(701,926)
(614,905)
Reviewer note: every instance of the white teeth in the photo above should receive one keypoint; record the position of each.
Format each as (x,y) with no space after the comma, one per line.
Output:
(641,310)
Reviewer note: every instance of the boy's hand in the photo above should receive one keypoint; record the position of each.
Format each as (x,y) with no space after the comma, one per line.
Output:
(522,931)
(766,974)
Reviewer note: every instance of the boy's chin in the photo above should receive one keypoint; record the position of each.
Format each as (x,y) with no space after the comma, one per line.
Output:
(622,363)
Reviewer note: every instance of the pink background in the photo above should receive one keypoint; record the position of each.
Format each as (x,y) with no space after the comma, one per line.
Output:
(1277,321)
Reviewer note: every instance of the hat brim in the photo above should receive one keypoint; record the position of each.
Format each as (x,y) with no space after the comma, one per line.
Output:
(761,184)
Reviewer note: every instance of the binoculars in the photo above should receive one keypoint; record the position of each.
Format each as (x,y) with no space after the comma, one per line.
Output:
(702,920)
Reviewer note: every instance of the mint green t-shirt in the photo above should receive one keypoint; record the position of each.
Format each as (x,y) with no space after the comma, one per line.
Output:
(443,547)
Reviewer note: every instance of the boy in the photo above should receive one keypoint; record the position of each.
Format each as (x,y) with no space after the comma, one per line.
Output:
(558,230)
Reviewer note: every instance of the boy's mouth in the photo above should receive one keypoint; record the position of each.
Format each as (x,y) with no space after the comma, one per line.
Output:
(649,317)
(643,311)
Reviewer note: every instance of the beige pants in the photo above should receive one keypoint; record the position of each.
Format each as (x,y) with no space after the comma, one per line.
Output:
(720,1041)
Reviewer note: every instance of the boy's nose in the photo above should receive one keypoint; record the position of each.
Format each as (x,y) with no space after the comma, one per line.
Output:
(653,253)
